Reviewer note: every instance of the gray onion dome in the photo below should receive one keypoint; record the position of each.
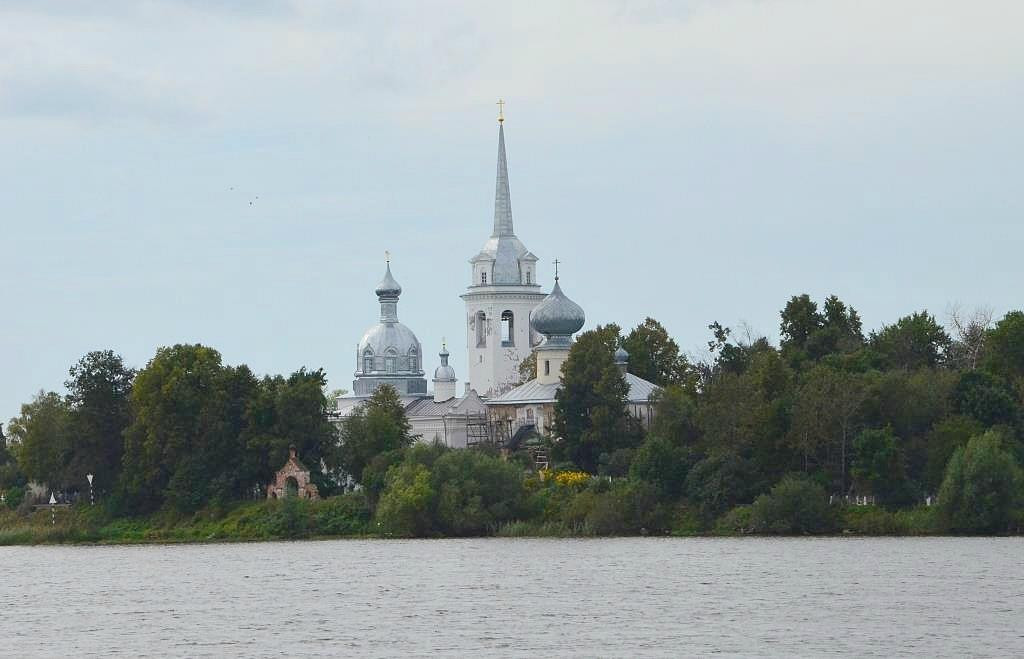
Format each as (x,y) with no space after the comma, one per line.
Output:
(388,287)
(557,315)
(621,356)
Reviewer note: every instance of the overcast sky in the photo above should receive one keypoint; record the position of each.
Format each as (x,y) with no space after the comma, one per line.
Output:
(690,161)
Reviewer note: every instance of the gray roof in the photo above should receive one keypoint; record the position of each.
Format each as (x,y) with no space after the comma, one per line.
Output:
(388,287)
(533,392)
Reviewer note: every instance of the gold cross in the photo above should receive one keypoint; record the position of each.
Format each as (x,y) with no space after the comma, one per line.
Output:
(501,108)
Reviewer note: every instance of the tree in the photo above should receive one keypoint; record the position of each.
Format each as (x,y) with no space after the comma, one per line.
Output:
(528,368)
(981,488)
(663,464)
(476,492)
(796,505)
(376,426)
(591,417)
(675,416)
(99,392)
(406,506)
(1005,347)
(654,355)
(42,440)
(878,466)
(800,321)
(826,411)
(185,443)
(985,398)
(913,342)
(967,349)
(945,438)
(291,412)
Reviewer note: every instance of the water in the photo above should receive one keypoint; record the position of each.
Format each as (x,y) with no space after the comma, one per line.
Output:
(610,597)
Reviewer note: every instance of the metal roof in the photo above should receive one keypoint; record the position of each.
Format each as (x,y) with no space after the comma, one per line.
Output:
(533,392)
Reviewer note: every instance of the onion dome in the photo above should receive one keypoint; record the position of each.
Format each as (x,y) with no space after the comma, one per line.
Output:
(621,356)
(557,315)
(388,287)
(444,372)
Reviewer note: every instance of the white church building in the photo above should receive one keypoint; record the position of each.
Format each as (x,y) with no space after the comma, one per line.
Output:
(508,318)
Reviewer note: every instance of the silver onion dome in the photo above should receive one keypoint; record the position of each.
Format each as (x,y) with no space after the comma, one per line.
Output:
(444,372)
(557,315)
(621,356)
(388,287)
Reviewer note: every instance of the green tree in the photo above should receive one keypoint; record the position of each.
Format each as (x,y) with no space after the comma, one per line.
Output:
(99,392)
(945,438)
(42,440)
(826,412)
(375,427)
(185,443)
(913,342)
(406,506)
(982,487)
(800,321)
(878,466)
(985,398)
(1004,347)
(675,416)
(654,355)
(291,412)
(591,416)
(797,505)
(663,464)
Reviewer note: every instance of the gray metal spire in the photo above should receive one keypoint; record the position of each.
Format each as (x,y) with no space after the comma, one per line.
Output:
(502,200)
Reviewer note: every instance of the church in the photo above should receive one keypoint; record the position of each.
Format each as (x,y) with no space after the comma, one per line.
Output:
(508,319)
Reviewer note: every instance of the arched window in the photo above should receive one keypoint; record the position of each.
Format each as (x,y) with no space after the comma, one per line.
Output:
(414,364)
(507,329)
(481,329)
(390,359)
(367,360)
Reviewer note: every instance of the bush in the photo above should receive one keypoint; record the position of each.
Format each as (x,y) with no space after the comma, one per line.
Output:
(870,520)
(405,506)
(796,505)
(981,488)
(347,514)
(738,521)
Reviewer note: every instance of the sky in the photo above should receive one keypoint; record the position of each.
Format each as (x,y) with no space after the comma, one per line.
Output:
(231,173)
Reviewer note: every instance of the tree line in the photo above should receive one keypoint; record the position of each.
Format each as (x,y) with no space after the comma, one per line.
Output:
(752,437)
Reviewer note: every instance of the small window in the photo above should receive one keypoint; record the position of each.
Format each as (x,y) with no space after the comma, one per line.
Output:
(390,361)
(529,414)
(413,360)
(367,361)
(547,367)
(528,274)
(507,329)
(483,277)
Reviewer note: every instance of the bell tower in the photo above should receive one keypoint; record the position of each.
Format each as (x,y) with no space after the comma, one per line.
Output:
(502,292)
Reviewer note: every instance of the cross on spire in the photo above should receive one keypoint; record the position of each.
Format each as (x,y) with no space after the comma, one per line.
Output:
(556,262)
(501,108)
(387,256)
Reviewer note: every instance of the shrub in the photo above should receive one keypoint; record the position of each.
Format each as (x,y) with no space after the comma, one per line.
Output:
(738,521)
(796,505)
(870,520)
(405,506)
(347,514)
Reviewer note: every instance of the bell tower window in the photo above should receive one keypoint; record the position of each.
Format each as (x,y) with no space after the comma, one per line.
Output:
(507,329)
(483,278)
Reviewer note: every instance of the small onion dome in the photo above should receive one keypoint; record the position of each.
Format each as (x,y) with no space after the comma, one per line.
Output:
(621,356)
(388,287)
(557,315)
(444,372)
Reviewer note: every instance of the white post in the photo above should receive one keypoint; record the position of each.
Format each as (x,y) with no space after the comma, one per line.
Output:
(53,511)
(92,501)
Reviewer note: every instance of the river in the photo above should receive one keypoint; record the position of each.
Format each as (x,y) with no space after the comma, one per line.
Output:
(518,597)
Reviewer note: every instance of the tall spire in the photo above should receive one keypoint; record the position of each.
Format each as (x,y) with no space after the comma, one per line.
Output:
(502,200)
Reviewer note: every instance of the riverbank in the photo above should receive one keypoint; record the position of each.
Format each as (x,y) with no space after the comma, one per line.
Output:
(347,516)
